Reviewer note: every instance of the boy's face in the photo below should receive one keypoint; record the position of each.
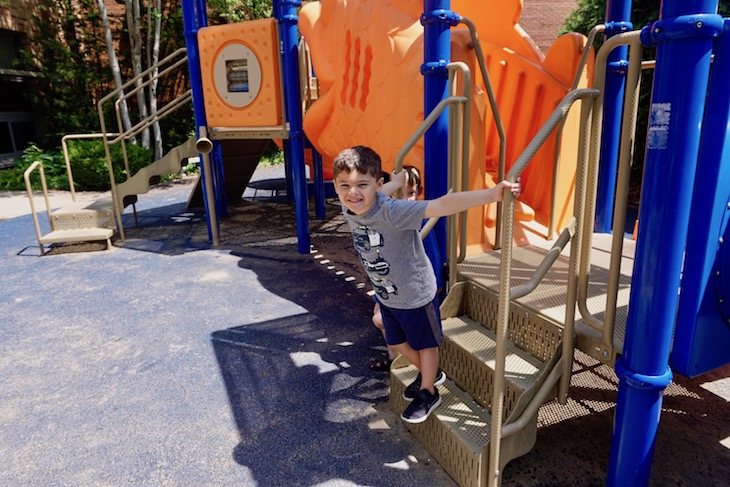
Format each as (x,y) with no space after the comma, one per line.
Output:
(357,191)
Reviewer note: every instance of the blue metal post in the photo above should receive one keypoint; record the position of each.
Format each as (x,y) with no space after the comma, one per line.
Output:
(436,19)
(286,14)
(318,183)
(194,17)
(618,15)
(702,335)
(216,156)
(684,39)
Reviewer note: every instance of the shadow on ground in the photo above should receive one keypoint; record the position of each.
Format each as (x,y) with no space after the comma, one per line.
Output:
(300,389)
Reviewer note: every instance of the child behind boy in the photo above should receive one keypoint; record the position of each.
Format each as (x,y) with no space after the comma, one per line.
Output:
(386,236)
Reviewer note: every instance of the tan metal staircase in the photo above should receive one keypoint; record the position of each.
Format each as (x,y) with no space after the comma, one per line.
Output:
(458,432)
(513,317)
(98,219)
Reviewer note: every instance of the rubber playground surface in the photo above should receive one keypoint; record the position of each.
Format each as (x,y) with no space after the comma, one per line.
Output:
(165,361)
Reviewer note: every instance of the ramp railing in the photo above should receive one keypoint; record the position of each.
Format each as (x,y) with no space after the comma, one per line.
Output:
(493,476)
(141,81)
(605,351)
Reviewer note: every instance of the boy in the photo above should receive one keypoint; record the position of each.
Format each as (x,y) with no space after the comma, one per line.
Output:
(386,236)
(412,189)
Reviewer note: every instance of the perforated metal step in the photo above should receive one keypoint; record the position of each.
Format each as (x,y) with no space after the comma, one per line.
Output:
(83,215)
(456,433)
(468,354)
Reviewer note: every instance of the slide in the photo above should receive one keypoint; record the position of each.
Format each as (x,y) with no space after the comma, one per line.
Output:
(239,163)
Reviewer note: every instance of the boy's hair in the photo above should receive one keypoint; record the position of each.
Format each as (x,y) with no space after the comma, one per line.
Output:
(358,158)
(413,177)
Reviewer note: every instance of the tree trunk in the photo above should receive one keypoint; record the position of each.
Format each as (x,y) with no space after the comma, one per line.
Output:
(135,39)
(154,16)
(114,64)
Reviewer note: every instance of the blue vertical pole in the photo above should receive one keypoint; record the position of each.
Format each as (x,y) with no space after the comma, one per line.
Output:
(437,18)
(684,38)
(194,17)
(216,156)
(286,14)
(318,183)
(702,335)
(618,15)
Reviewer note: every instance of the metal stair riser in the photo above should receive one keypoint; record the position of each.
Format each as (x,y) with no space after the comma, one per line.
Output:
(83,220)
(456,445)
(475,377)
(527,330)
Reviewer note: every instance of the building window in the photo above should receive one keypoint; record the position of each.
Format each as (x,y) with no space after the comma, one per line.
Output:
(17,123)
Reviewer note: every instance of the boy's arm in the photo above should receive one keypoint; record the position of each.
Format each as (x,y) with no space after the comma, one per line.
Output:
(453,203)
(397,180)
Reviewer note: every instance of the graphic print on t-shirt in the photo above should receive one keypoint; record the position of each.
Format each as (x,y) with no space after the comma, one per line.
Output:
(383,287)
(368,243)
(366,238)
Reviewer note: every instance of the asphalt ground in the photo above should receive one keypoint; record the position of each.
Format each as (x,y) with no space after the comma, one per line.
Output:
(166,361)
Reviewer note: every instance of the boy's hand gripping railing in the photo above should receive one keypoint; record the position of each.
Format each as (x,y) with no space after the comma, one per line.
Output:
(628,131)
(493,475)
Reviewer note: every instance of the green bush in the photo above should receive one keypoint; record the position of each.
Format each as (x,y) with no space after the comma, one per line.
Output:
(88,163)
(54,168)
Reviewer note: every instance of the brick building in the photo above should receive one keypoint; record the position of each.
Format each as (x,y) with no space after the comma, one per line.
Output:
(17,126)
(542,19)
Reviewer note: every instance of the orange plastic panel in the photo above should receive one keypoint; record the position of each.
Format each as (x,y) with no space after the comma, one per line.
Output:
(367,57)
(257,42)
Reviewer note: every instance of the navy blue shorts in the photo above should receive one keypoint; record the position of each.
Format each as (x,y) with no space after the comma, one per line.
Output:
(420,327)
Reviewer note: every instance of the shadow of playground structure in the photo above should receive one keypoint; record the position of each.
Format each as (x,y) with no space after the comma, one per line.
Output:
(307,407)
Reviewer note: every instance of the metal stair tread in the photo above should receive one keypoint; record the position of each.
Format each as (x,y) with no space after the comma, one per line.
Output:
(521,368)
(458,412)
(79,235)
(103,204)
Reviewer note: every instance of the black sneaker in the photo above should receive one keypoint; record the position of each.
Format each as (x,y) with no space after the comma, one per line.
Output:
(415,386)
(420,409)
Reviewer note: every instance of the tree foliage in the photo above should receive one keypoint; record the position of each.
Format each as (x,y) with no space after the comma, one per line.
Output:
(229,11)
(593,12)
(69,51)
(62,52)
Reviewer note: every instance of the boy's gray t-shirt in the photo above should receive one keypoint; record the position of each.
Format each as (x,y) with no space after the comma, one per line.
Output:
(391,250)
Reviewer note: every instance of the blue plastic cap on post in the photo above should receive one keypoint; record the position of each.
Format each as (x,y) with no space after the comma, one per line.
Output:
(682,27)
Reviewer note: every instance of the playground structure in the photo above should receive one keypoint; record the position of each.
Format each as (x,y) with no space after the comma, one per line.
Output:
(513,315)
